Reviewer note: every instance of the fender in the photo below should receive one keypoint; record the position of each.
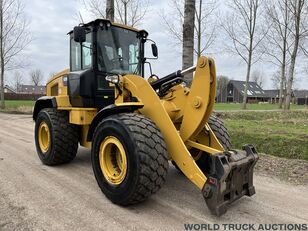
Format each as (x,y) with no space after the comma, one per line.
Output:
(108,111)
(44,102)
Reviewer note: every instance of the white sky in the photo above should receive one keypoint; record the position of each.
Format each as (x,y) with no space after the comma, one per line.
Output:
(50,20)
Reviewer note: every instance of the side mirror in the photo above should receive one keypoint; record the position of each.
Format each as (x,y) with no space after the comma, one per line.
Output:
(79,34)
(154,50)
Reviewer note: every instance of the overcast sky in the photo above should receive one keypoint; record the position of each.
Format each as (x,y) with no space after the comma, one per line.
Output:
(51,20)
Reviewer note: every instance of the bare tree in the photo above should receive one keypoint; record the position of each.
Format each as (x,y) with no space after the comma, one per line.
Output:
(278,42)
(14,37)
(128,12)
(299,11)
(258,77)
(36,77)
(205,23)
(304,39)
(276,79)
(110,10)
(245,30)
(188,37)
(131,12)
(96,8)
(206,26)
(222,83)
(17,81)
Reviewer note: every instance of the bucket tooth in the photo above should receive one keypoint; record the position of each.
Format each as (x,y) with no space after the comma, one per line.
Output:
(231,177)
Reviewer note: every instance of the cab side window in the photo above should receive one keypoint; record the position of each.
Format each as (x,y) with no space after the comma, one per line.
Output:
(87,52)
(78,63)
(75,56)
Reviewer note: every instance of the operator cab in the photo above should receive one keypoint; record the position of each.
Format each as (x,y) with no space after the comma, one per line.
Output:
(98,49)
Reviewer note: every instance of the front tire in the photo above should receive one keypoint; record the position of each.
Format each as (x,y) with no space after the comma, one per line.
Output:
(220,131)
(129,158)
(55,138)
(222,134)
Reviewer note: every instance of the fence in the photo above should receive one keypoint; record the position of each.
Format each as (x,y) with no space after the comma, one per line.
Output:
(14,96)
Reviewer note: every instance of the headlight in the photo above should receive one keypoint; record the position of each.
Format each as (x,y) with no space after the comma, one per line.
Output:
(112,79)
(64,79)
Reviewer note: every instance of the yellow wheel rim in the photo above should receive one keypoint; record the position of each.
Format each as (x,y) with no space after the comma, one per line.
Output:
(113,161)
(44,137)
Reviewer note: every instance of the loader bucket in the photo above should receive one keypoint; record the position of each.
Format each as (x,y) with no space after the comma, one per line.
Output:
(231,177)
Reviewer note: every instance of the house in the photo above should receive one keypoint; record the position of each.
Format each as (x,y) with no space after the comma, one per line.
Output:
(273,96)
(32,89)
(300,97)
(8,89)
(234,93)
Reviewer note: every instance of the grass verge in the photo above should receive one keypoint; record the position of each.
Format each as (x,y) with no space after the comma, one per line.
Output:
(282,134)
(237,106)
(18,106)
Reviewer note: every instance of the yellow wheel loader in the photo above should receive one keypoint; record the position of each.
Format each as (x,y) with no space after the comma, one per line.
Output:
(135,126)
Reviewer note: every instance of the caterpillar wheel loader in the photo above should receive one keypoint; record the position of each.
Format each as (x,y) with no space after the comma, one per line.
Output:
(135,126)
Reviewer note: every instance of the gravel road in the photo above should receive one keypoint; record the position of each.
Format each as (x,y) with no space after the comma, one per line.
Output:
(37,197)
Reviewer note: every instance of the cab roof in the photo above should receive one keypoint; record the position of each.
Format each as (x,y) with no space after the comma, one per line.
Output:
(98,21)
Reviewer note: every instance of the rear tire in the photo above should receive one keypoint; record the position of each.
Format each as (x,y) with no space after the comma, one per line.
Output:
(60,138)
(146,158)
(221,132)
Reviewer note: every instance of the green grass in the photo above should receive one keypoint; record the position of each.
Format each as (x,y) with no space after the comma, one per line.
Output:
(237,106)
(19,103)
(13,104)
(18,106)
(283,134)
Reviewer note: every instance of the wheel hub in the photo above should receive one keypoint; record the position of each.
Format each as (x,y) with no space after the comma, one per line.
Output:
(44,137)
(113,161)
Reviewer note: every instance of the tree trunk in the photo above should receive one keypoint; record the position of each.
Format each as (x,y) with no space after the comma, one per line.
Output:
(199,28)
(284,53)
(1,57)
(297,18)
(252,24)
(291,76)
(2,88)
(125,13)
(282,81)
(110,10)
(220,94)
(188,37)
(244,106)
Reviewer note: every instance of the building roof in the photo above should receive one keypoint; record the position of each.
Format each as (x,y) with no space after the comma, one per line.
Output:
(9,88)
(254,90)
(300,93)
(32,89)
(272,93)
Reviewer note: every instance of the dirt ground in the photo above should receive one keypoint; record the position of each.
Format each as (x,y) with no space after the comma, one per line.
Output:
(37,197)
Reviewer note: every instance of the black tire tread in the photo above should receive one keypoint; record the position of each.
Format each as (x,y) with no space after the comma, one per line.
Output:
(220,131)
(65,137)
(154,164)
(153,156)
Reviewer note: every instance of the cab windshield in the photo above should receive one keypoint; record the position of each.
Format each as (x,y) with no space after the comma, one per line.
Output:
(118,51)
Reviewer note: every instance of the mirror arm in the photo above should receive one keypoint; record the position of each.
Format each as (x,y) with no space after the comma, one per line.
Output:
(150,67)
